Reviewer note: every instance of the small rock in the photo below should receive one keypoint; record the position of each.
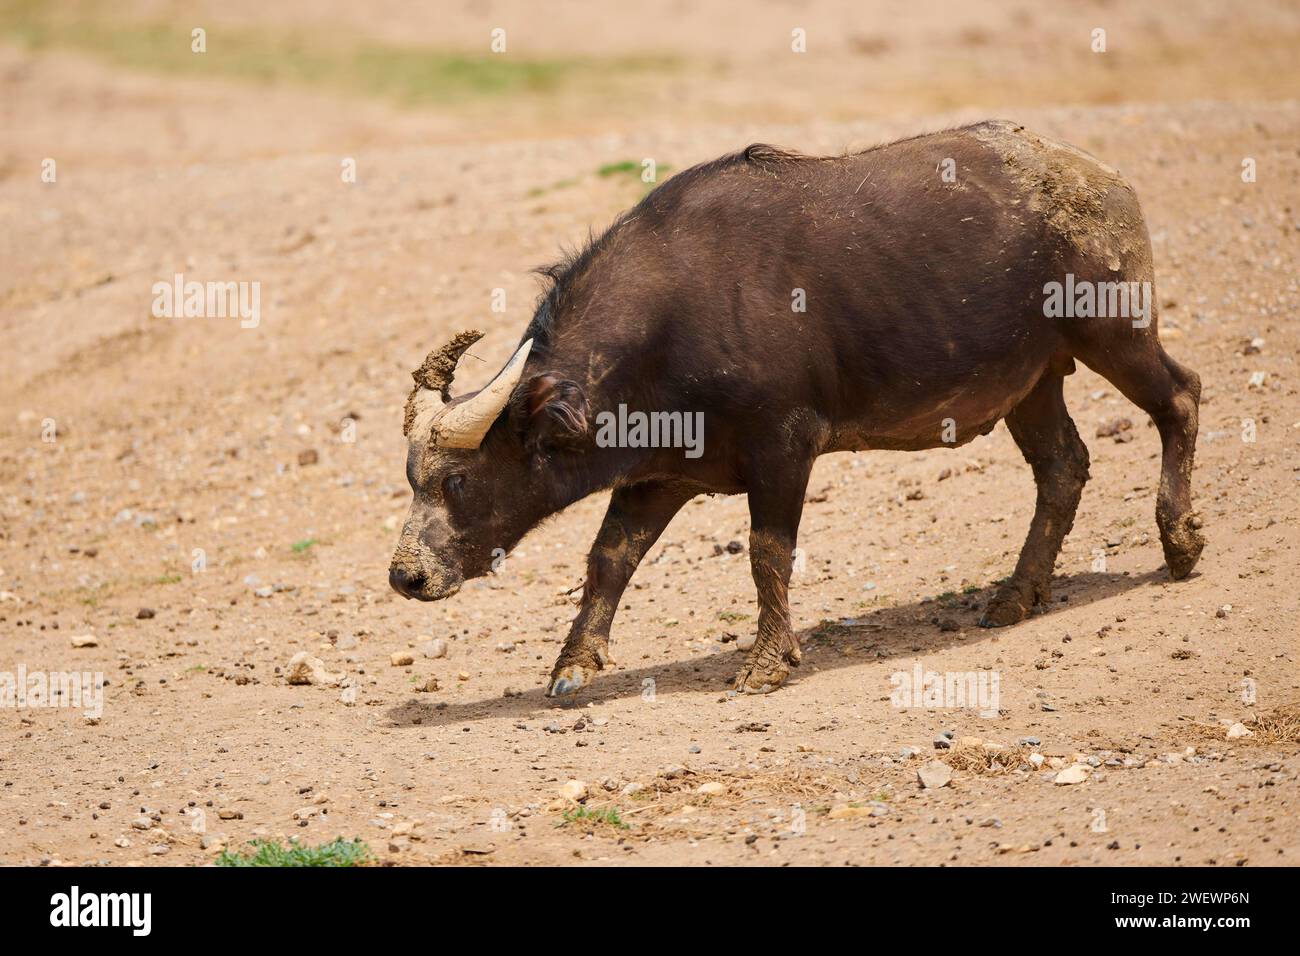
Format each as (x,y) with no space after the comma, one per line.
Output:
(575,790)
(1077,773)
(305,669)
(1239,730)
(1114,428)
(934,775)
(144,614)
(712,788)
(847,812)
(434,649)
(401,659)
(84,640)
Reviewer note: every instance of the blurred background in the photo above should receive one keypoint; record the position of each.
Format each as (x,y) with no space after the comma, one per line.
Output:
(116,81)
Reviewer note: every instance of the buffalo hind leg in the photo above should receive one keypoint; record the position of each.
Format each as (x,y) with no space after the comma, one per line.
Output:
(1171,394)
(636,516)
(775,506)
(1042,428)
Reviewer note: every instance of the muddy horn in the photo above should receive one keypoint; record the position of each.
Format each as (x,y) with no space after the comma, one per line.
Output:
(464,425)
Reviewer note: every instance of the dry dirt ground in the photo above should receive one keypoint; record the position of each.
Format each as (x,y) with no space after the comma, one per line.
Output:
(246,485)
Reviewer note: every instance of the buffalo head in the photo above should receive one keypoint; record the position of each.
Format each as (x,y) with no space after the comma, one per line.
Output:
(477,490)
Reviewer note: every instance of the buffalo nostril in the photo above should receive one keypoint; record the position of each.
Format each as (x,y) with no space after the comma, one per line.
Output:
(405,582)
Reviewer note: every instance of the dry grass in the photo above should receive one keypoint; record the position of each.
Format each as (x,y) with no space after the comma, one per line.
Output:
(664,807)
(1278,726)
(981,760)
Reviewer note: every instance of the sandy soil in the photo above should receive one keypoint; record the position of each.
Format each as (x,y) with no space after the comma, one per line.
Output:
(277,453)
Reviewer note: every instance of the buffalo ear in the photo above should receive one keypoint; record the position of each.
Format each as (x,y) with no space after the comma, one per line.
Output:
(551,412)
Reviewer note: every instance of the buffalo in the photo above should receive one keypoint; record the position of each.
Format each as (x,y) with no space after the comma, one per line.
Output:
(909,296)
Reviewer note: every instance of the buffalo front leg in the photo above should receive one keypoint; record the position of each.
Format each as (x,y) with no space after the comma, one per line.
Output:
(636,516)
(1042,428)
(775,506)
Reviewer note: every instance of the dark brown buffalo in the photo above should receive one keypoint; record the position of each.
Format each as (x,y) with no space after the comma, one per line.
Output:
(924,268)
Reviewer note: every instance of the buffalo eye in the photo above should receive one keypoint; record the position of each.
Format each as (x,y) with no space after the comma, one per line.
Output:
(453,485)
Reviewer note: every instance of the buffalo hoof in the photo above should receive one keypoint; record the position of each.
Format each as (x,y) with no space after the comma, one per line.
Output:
(569,680)
(1005,609)
(752,681)
(761,678)
(1182,546)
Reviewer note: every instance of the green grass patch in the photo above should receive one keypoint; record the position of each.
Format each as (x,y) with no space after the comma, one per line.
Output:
(169,579)
(340,852)
(305,545)
(558,184)
(732,616)
(409,75)
(629,166)
(633,170)
(608,816)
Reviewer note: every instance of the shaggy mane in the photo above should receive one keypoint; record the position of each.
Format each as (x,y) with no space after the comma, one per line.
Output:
(560,277)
